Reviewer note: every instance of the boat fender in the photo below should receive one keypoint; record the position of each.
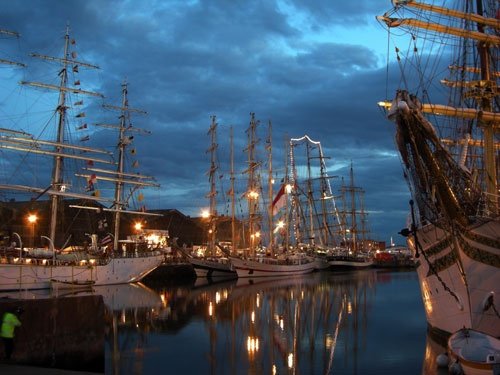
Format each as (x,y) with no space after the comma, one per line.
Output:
(442,360)
(456,369)
(488,301)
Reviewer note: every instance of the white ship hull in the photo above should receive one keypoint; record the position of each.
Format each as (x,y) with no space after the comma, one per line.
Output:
(212,267)
(342,262)
(30,273)
(479,255)
(272,267)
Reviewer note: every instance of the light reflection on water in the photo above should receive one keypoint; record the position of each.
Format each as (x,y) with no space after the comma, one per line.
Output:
(365,322)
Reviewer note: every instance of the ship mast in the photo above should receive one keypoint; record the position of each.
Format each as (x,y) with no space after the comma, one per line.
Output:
(253,186)
(212,195)
(270,187)
(57,182)
(483,91)
(120,177)
(233,219)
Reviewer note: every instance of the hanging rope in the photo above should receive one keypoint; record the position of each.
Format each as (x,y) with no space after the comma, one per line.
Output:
(431,266)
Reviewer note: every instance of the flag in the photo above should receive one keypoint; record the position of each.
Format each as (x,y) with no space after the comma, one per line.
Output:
(91,181)
(106,240)
(280,200)
(79,102)
(81,127)
(84,139)
(80,115)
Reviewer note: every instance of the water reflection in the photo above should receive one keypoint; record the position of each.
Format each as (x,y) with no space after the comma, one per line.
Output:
(323,323)
(366,322)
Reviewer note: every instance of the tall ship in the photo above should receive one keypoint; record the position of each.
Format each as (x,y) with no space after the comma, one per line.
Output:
(215,262)
(76,171)
(447,133)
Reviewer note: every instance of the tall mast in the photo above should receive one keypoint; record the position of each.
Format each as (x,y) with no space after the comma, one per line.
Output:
(354,226)
(121,177)
(270,187)
(57,182)
(488,131)
(233,220)
(310,198)
(212,195)
(253,186)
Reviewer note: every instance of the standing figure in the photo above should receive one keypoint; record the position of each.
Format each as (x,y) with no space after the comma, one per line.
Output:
(10,321)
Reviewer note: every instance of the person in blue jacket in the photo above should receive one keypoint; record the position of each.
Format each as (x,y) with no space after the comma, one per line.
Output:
(10,321)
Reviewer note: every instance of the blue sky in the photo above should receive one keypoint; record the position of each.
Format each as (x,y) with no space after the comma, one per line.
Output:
(315,68)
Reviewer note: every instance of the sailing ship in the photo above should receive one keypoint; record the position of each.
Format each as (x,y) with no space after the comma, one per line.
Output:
(97,263)
(450,155)
(215,263)
(268,261)
(353,254)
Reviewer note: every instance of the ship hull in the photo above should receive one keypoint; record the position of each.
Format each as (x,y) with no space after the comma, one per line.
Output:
(268,267)
(212,268)
(31,273)
(453,298)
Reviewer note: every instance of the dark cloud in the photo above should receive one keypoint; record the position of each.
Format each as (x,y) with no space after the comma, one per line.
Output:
(185,61)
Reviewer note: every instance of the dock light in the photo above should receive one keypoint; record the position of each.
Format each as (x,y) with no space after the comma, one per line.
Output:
(205,214)
(32,218)
(138,226)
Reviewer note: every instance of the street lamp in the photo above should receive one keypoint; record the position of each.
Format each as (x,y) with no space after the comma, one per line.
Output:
(32,218)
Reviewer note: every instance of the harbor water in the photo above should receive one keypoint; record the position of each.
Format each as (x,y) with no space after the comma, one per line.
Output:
(361,322)
(364,322)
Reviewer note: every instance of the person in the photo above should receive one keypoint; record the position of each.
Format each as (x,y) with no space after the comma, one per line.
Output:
(10,321)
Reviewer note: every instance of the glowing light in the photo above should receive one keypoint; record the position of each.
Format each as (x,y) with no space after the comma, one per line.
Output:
(252,316)
(252,194)
(217,297)
(28,261)
(274,370)
(349,307)
(257,300)
(210,309)
(288,188)
(290,360)
(92,261)
(138,226)
(252,345)
(205,214)
(279,225)
(32,218)
(328,341)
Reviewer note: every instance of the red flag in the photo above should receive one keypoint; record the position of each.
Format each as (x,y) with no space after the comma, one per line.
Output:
(280,200)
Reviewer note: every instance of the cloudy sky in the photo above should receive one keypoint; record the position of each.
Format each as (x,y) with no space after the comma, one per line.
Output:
(309,67)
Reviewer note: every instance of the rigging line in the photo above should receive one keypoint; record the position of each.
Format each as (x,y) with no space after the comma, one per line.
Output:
(429,263)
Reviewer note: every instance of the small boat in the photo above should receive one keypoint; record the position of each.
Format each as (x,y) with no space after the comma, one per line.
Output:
(475,352)
(71,284)
(259,266)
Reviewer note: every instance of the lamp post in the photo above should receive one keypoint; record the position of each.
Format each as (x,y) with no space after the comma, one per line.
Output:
(32,218)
